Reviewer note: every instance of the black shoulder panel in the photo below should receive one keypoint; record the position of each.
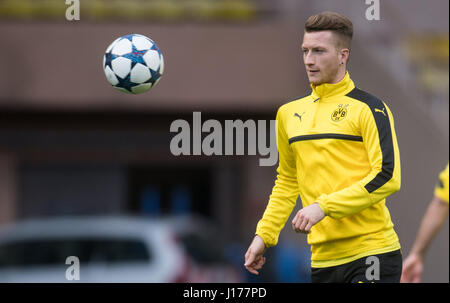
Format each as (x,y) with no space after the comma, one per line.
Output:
(381,117)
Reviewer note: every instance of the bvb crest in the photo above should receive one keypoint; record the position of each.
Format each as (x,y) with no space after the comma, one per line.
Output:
(339,113)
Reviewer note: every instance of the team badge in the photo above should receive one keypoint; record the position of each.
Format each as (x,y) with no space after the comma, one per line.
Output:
(339,113)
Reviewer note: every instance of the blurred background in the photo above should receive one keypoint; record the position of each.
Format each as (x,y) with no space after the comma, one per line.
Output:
(75,153)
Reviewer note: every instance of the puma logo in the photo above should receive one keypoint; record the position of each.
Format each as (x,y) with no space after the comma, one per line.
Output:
(380,111)
(299,116)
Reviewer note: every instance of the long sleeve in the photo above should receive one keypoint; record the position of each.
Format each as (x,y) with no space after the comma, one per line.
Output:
(441,189)
(284,193)
(379,138)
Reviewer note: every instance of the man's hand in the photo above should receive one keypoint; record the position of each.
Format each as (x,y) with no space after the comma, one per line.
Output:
(307,217)
(254,258)
(412,269)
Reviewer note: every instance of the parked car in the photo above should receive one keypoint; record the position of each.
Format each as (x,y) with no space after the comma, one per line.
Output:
(109,249)
(206,250)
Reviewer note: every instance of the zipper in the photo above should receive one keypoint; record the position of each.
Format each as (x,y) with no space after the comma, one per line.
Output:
(315,113)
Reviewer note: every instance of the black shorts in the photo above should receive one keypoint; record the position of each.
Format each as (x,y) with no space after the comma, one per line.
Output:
(381,268)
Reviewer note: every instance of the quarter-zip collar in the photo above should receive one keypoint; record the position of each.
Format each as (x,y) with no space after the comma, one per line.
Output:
(327,90)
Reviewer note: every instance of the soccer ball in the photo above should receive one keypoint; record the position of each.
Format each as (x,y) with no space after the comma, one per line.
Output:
(133,64)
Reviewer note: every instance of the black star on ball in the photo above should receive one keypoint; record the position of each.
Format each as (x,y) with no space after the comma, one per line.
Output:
(126,83)
(109,57)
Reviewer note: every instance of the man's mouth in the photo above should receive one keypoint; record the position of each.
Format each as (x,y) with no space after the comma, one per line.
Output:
(313,71)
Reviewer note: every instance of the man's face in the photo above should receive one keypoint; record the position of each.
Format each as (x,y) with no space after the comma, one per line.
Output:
(321,57)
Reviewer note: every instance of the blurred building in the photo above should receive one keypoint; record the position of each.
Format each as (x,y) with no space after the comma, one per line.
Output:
(71,144)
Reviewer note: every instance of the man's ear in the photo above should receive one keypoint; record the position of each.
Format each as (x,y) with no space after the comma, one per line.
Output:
(344,54)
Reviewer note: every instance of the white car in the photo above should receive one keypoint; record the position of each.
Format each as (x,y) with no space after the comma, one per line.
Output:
(120,249)
(109,249)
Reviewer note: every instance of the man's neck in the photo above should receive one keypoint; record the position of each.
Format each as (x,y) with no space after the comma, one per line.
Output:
(339,76)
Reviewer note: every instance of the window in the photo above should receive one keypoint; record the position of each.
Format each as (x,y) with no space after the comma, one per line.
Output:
(88,250)
(170,190)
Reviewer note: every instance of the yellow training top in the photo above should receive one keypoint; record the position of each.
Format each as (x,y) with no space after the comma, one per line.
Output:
(441,189)
(338,147)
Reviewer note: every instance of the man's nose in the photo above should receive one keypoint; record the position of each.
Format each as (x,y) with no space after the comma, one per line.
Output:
(309,59)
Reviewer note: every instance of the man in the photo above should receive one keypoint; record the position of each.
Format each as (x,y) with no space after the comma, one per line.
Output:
(338,151)
(432,222)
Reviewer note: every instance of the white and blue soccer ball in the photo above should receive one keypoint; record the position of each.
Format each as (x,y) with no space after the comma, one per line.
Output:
(133,64)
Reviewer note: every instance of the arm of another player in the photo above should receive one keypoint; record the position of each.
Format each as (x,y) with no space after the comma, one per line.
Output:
(431,224)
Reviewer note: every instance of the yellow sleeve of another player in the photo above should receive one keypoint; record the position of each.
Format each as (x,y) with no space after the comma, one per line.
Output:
(284,193)
(441,189)
(384,178)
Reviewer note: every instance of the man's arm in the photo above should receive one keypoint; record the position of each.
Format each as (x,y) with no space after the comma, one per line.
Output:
(281,202)
(383,179)
(431,224)
(285,192)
